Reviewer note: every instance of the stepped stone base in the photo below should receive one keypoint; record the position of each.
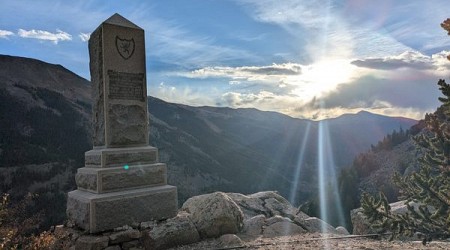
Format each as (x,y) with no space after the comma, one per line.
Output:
(100,212)
(103,180)
(118,157)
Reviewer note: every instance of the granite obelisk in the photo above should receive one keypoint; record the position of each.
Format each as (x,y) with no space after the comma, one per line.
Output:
(122,182)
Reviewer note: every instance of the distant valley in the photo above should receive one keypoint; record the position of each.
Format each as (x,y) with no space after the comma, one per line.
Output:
(45,130)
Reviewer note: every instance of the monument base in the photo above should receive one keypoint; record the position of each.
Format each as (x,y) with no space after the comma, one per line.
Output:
(100,212)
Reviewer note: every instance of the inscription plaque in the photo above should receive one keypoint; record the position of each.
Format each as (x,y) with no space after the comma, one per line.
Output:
(126,86)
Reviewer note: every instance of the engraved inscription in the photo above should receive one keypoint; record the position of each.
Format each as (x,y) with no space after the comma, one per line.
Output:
(126,86)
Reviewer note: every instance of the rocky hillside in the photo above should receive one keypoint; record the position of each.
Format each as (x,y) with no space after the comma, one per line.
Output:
(45,130)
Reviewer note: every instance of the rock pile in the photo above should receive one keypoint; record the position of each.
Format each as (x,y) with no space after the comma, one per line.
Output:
(231,217)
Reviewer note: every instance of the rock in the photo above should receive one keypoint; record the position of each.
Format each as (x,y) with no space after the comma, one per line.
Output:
(130,244)
(342,230)
(276,204)
(362,226)
(173,232)
(230,240)
(268,203)
(280,207)
(250,206)
(124,236)
(115,247)
(276,219)
(147,224)
(360,223)
(316,225)
(253,226)
(282,228)
(301,215)
(214,214)
(91,243)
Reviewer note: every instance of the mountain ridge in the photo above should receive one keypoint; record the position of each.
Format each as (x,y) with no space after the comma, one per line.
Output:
(46,128)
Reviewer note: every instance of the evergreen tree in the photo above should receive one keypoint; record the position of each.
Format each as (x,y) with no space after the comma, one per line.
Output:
(429,186)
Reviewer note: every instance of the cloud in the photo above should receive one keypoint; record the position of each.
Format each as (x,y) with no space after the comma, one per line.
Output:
(264,100)
(331,88)
(249,73)
(183,95)
(5,33)
(408,59)
(84,36)
(45,35)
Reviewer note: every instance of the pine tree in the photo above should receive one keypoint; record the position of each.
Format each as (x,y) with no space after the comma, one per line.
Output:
(429,186)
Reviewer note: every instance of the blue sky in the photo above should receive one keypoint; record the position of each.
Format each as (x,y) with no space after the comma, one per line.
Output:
(307,59)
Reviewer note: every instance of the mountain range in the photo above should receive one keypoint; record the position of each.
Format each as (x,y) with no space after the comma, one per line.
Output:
(45,128)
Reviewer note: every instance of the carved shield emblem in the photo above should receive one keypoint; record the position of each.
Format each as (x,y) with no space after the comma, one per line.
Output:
(125,47)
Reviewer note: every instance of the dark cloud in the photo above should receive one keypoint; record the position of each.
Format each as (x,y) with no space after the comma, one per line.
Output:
(392,63)
(374,93)
(274,70)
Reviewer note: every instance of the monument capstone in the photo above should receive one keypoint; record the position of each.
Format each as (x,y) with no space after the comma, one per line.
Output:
(122,181)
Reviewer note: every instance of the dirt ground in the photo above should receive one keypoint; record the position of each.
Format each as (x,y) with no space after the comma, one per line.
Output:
(317,241)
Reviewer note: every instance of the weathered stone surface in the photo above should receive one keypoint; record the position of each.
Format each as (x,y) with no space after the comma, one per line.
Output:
(97,80)
(301,215)
(361,224)
(128,124)
(316,225)
(118,157)
(250,206)
(268,203)
(282,228)
(78,210)
(119,178)
(118,69)
(91,243)
(112,210)
(86,181)
(174,232)
(115,247)
(253,226)
(342,230)
(230,240)
(124,236)
(280,206)
(147,225)
(214,214)
(130,244)
(276,219)
(121,183)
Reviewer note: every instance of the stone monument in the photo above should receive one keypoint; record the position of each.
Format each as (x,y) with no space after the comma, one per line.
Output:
(122,182)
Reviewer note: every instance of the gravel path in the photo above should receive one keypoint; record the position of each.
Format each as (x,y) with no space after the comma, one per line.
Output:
(318,241)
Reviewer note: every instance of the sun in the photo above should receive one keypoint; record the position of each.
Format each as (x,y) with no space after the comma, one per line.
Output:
(321,77)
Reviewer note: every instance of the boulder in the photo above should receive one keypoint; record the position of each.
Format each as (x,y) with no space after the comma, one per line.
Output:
(361,224)
(229,241)
(342,230)
(115,247)
(250,206)
(316,225)
(124,236)
(268,203)
(254,225)
(277,218)
(282,228)
(173,232)
(88,242)
(214,214)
